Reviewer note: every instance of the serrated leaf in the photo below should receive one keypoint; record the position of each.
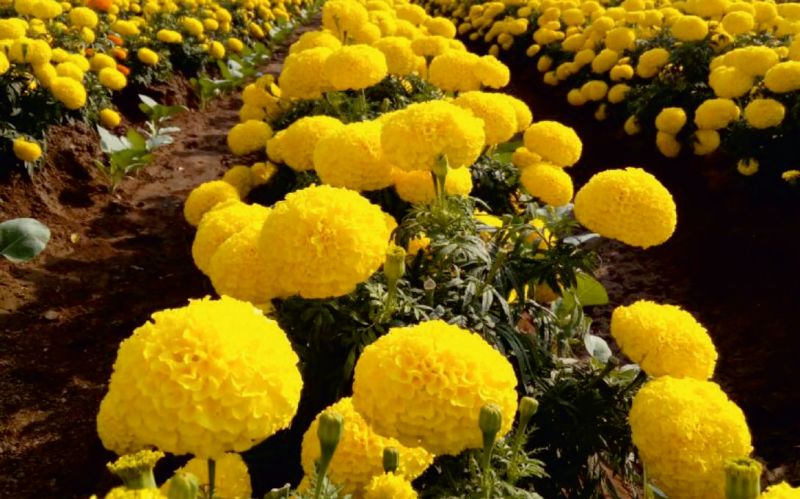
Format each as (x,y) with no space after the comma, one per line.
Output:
(589,291)
(21,239)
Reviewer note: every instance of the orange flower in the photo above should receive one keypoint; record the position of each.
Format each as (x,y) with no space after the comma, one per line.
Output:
(101,5)
(117,40)
(88,52)
(123,69)
(119,53)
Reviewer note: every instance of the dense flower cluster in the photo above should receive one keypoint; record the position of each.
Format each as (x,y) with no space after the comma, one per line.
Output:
(389,486)
(232,480)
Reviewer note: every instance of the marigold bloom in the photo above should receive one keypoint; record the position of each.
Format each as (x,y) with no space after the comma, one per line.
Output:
(554,142)
(498,114)
(355,67)
(205,197)
(389,486)
(247,137)
(26,150)
(417,186)
(232,479)
(548,182)
(764,113)
(352,157)
(220,224)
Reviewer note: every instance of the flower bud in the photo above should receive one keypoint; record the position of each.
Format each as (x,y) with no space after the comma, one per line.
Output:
(440,168)
(527,408)
(490,420)
(395,265)
(742,478)
(391,459)
(184,486)
(329,433)
(136,470)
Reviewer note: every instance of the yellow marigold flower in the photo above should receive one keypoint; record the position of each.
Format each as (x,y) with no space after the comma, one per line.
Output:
(352,157)
(125,28)
(690,29)
(416,187)
(522,111)
(668,144)
(12,28)
(123,493)
(632,126)
(440,26)
(247,137)
(315,227)
(192,26)
(5,65)
(738,23)
(343,17)
(783,77)
(791,176)
(100,61)
(454,71)
(715,114)
(169,36)
(753,60)
(651,62)
(295,145)
(629,205)
(216,50)
(430,46)
(235,45)
(45,73)
(83,17)
(400,59)
(498,115)
(112,78)
(416,137)
(232,479)
(109,118)
(221,223)
(491,72)
(621,72)
(147,56)
(412,13)
(780,491)
(547,182)
(620,39)
(417,244)
(359,455)
(389,486)
(314,39)
(605,61)
(664,412)
(70,70)
(729,82)
(302,74)
(69,92)
(26,150)
(261,172)
(747,167)
(354,67)
(240,178)
(764,113)
(462,373)
(34,52)
(522,157)
(671,120)
(617,93)
(172,373)
(664,339)
(594,90)
(206,196)
(706,142)
(554,142)
(46,9)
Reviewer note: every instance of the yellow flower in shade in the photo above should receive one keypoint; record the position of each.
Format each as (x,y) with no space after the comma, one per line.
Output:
(359,455)
(791,176)
(12,28)
(5,65)
(45,73)
(621,72)
(629,205)
(440,26)
(147,56)
(295,145)
(26,150)
(664,339)
(425,385)
(169,36)
(69,92)
(780,491)
(416,137)
(221,223)
(547,182)
(239,177)
(400,59)
(430,46)
(416,187)
(232,480)
(620,39)
(419,243)
(747,167)
(125,28)
(112,78)
(554,142)
(343,17)
(314,39)
(498,114)
(668,144)
(247,137)
(110,118)
(605,61)
(632,126)
(69,70)
(262,172)
(302,74)
(192,26)
(235,45)
(738,22)
(389,486)
(706,142)
(729,82)
(322,241)
(100,61)
(671,120)
(753,60)
(216,50)
(212,377)
(690,29)
(523,112)
(352,157)
(123,493)
(685,430)
(715,114)
(783,77)
(454,71)
(594,90)
(522,158)
(412,13)
(764,113)
(354,67)
(206,196)
(491,72)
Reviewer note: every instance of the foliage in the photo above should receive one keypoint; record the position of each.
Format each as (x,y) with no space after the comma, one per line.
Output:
(22,239)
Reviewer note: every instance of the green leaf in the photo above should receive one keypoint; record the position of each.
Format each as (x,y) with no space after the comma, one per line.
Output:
(136,139)
(597,347)
(589,291)
(21,239)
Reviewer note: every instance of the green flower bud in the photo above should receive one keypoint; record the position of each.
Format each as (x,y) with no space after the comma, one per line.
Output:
(395,265)
(490,420)
(184,486)
(136,470)
(391,459)
(329,433)
(527,408)
(742,478)
(440,168)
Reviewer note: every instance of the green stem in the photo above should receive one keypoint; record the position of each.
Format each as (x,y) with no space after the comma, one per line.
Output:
(321,471)
(498,262)
(516,446)
(488,447)
(212,477)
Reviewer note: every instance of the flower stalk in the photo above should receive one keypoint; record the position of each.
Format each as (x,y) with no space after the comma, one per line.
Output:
(490,421)
(329,432)
(742,478)
(527,408)
(136,470)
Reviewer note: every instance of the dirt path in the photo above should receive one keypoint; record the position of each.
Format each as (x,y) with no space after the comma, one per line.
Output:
(63,315)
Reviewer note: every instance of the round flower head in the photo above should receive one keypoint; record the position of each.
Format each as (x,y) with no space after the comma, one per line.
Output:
(112,78)
(205,197)
(523,112)
(69,92)
(417,186)
(247,137)
(547,182)
(313,39)
(425,385)
(715,114)
(110,118)
(498,114)
(295,145)
(125,493)
(232,479)
(783,77)
(440,26)
(25,150)
(629,205)
(554,142)
(352,157)
(301,76)
(359,455)
(354,67)
(764,113)
(419,135)
(685,430)
(730,83)
(753,60)
(240,178)
(671,120)
(491,72)
(400,59)
(208,378)
(220,224)
(664,339)
(690,29)
(454,71)
(389,486)
(781,491)
(343,17)
(738,22)
(322,241)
